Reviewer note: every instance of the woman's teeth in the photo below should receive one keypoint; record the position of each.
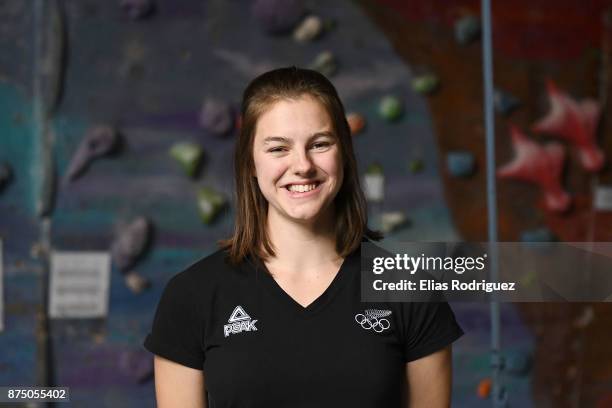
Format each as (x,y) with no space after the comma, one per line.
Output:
(302,188)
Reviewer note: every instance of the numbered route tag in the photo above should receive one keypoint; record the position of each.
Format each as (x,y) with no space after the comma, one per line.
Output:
(79,284)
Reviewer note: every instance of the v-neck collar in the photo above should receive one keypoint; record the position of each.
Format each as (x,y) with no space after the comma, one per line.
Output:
(349,266)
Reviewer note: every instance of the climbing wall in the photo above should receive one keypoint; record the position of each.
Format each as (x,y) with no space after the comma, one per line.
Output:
(118,120)
(125,114)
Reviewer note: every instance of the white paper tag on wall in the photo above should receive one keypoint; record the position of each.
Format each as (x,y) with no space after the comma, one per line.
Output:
(79,284)
(603,198)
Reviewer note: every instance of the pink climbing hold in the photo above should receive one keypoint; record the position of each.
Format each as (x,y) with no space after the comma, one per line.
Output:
(136,9)
(537,164)
(217,116)
(98,141)
(575,122)
(130,243)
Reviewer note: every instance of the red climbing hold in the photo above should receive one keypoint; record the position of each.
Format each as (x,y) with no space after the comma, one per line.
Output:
(538,164)
(575,122)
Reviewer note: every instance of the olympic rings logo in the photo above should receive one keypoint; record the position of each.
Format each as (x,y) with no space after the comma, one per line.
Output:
(372,322)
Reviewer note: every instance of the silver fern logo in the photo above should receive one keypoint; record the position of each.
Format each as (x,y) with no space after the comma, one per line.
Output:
(374,319)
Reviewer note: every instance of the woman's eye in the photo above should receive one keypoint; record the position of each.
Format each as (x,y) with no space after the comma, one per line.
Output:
(320,145)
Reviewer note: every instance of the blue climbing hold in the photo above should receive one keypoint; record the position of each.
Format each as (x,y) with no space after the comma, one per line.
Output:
(460,163)
(467,29)
(505,103)
(542,234)
(518,363)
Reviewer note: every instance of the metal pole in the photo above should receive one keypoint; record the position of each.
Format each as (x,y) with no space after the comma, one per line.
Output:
(487,69)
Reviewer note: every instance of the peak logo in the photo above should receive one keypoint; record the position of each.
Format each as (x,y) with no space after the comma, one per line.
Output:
(239,322)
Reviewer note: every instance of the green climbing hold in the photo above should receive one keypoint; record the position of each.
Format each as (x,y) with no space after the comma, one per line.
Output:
(416,166)
(425,84)
(374,168)
(390,108)
(210,203)
(325,63)
(188,155)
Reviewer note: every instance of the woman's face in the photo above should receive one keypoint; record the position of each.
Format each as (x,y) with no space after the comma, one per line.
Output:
(294,144)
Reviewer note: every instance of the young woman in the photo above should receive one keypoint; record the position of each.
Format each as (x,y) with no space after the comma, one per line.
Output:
(274,317)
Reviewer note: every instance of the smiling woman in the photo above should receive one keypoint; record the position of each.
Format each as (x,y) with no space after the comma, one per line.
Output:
(274,317)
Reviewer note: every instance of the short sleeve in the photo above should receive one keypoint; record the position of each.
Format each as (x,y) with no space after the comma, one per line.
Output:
(177,330)
(429,327)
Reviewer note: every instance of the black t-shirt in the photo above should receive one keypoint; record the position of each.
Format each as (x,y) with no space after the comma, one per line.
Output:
(260,348)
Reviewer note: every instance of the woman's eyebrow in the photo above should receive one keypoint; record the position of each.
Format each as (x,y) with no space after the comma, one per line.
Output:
(290,141)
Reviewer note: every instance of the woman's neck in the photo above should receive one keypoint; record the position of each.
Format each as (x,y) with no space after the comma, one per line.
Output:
(302,247)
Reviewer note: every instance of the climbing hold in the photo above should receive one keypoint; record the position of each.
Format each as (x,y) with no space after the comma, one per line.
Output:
(329,24)
(98,141)
(130,243)
(390,108)
(137,365)
(392,221)
(585,318)
(425,84)
(189,156)
(374,183)
(136,282)
(325,63)
(136,9)
(98,338)
(210,203)
(374,168)
(484,388)
(518,363)
(6,174)
(238,123)
(460,163)
(216,116)
(416,166)
(575,122)
(309,29)
(540,165)
(278,16)
(505,103)
(467,29)
(538,235)
(356,122)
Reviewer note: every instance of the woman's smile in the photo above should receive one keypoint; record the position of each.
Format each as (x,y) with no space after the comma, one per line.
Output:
(303,191)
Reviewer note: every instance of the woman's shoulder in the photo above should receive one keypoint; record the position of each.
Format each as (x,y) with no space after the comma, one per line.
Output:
(203,272)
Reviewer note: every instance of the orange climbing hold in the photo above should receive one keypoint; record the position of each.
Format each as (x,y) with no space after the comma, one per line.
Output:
(484,388)
(356,122)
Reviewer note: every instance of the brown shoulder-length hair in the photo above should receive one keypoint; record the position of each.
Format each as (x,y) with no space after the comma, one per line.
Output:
(250,232)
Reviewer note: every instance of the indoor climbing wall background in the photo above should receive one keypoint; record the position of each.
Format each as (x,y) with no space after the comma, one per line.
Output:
(125,113)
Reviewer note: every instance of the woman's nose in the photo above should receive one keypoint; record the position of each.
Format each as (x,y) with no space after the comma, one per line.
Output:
(302,162)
